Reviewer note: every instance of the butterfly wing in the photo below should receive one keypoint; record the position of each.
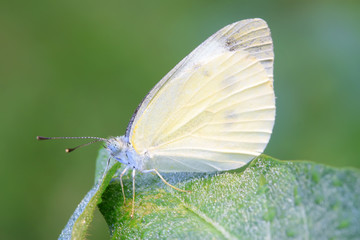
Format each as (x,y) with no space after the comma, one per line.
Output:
(216,109)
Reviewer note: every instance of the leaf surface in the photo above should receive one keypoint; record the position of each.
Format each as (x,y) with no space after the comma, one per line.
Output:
(79,222)
(269,199)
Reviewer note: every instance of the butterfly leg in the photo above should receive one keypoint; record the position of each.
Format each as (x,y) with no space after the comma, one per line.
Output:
(121,182)
(133,201)
(161,177)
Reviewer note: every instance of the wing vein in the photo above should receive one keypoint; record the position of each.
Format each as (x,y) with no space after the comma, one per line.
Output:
(229,86)
(225,151)
(196,129)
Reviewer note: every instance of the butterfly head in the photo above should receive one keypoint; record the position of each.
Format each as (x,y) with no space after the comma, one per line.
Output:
(116,146)
(120,149)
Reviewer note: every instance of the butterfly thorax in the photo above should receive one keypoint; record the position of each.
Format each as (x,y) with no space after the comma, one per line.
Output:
(121,150)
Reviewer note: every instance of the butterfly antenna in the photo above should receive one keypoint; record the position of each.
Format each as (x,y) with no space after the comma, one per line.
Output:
(82,145)
(97,139)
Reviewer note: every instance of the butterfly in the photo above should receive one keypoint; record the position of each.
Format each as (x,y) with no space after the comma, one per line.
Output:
(214,111)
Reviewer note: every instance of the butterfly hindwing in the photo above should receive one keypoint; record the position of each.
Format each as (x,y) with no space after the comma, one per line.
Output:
(215,110)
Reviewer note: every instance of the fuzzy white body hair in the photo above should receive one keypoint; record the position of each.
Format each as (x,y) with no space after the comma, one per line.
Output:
(121,150)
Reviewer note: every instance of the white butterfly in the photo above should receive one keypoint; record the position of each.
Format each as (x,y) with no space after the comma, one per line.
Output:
(214,111)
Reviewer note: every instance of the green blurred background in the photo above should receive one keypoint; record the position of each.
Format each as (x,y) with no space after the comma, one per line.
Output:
(80,68)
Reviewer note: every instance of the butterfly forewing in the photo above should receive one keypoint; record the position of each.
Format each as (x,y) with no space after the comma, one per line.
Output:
(215,110)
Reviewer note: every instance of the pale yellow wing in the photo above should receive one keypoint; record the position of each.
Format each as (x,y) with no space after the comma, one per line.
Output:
(215,110)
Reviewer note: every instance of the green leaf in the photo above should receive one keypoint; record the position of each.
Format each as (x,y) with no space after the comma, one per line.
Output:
(80,220)
(269,199)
